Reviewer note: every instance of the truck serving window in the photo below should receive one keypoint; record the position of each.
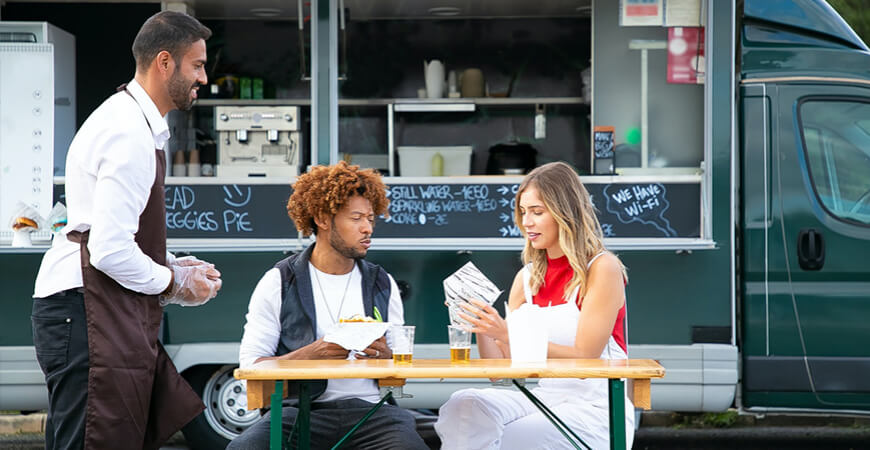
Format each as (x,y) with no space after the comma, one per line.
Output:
(837,146)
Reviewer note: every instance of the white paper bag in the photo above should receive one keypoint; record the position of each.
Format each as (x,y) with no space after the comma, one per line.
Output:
(528,334)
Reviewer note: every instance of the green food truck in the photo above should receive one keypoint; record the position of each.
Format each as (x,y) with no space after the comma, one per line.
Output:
(726,145)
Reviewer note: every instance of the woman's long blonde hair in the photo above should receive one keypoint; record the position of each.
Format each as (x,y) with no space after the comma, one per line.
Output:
(580,235)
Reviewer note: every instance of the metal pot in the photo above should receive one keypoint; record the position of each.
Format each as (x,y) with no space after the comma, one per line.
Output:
(510,158)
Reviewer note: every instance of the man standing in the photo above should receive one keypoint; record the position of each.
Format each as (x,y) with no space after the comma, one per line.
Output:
(101,288)
(297,301)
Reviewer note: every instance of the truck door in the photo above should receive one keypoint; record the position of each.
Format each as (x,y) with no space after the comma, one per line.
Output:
(807,245)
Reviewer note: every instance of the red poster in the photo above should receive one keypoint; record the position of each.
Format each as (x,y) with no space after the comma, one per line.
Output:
(634,13)
(686,55)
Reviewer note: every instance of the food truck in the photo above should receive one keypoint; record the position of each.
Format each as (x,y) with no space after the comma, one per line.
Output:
(726,146)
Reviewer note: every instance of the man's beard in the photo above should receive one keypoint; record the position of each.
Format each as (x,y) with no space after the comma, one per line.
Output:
(342,248)
(179,91)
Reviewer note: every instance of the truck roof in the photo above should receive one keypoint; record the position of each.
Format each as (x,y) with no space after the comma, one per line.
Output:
(812,15)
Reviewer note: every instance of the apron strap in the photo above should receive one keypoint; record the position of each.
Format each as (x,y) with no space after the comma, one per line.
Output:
(77,236)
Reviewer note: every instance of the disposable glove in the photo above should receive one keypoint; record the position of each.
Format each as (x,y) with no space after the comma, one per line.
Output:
(193,285)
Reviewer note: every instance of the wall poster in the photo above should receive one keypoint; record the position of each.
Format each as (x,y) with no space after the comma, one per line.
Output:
(641,13)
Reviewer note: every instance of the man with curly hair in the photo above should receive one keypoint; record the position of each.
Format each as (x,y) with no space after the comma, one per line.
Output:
(298,300)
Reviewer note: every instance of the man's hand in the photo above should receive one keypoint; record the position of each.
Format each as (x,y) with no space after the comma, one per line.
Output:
(319,349)
(377,350)
(194,283)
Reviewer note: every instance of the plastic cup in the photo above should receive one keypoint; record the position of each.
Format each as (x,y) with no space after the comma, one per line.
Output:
(460,343)
(401,342)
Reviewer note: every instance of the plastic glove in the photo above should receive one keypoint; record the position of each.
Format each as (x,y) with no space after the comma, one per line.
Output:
(193,285)
(212,273)
(188,261)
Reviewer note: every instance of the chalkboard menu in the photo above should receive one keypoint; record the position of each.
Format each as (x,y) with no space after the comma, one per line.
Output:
(631,210)
(448,210)
(207,211)
(228,211)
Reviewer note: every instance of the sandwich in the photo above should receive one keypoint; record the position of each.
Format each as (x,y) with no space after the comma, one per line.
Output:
(357,318)
(24,222)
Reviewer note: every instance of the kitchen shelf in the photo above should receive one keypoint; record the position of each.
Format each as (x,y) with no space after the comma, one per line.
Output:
(253,102)
(422,103)
(479,101)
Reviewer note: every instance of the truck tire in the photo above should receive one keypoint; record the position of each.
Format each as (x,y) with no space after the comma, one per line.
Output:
(226,414)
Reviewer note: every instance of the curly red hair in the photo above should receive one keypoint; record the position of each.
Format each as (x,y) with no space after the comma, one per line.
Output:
(325,189)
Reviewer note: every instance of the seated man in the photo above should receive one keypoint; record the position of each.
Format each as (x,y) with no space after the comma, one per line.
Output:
(304,295)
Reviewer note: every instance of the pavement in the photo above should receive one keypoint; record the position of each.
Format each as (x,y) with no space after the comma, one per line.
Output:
(658,430)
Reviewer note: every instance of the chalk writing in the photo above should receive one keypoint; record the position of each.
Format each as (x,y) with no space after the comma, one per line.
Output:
(182,212)
(440,210)
(510,231)
(237,197)
(643,203)
(432,204)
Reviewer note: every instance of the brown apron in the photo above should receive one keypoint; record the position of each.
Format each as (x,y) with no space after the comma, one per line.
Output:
(136,398)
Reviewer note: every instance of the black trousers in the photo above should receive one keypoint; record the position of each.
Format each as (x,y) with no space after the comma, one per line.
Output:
(60,335)
(391,427)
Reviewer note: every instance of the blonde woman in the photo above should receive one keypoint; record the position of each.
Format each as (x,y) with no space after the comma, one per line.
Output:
(581,287)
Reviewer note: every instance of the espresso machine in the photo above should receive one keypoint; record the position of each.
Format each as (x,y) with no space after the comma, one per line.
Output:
(257,141)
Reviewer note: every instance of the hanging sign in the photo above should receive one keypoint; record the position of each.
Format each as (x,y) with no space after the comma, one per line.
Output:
(686,55)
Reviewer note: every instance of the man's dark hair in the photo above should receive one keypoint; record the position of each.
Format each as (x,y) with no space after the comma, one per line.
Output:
(167,30)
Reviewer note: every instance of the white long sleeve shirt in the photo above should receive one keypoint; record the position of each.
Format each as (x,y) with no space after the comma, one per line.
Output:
(110,169)
(263,322)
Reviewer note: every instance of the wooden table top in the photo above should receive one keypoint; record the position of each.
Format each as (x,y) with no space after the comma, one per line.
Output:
(444,368)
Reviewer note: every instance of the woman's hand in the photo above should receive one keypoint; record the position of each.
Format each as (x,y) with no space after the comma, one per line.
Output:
(489,323)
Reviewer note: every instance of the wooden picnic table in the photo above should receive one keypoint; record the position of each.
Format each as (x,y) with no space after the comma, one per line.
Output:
(266,380)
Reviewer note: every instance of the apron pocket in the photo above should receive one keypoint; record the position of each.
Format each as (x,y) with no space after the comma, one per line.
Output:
(51,336)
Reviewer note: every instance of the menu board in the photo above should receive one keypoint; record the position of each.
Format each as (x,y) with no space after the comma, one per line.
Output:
(430,210)
(485,210)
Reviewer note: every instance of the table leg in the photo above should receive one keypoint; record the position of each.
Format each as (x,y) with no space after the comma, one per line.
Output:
(303,419)
(552,417)
(616,392)
(275,420)
(361,421)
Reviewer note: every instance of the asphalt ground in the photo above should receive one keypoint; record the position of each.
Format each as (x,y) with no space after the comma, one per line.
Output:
(658,430)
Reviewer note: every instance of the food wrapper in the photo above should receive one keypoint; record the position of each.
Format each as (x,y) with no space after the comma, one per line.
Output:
(356,336)
(57,218)
(25,218)
(463,285)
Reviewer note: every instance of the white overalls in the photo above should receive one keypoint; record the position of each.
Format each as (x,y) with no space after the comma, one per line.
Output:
(506,419)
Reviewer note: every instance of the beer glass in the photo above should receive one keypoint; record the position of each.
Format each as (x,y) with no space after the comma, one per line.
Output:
(402,343)
(460,343)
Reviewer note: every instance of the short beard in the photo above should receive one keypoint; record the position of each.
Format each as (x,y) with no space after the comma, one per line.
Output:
(343,249)
(179,91)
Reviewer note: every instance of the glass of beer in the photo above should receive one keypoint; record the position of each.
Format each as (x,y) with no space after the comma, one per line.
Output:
(460,343)
(401,341)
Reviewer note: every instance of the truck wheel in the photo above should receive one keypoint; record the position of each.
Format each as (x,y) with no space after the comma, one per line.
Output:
(226,414)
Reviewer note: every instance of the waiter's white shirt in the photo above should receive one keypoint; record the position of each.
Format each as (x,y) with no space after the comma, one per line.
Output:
(110,169)
(263,322)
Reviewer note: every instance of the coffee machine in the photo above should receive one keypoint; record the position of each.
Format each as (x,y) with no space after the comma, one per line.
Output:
(257,141)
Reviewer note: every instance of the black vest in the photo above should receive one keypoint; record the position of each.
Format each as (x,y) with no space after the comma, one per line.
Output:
(298,318)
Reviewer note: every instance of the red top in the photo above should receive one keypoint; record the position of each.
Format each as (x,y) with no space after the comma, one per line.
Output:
(552,292)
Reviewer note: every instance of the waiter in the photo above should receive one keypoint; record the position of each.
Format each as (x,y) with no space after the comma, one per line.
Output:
(101,288)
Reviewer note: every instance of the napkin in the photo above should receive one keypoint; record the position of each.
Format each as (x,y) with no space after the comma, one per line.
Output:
(461,286)
(356,336)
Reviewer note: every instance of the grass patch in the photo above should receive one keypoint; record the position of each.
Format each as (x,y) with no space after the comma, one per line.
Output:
(726,419)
